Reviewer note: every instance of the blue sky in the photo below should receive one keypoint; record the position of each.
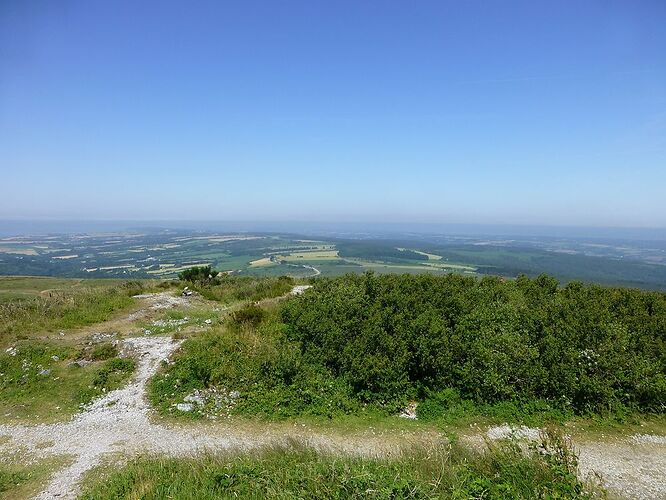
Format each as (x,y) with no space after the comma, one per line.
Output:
(468,112)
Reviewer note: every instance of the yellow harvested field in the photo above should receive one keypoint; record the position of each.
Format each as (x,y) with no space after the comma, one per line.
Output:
(431,256)
(261,262)
(446,265)
(20,251)
(316,255)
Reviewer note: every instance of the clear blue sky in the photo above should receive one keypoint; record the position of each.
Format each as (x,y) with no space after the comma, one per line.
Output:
(468,111)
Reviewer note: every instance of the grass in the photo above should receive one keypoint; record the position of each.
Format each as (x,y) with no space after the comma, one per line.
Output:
(40,382)
(25,287)
(238,289)
(177,321)
(502,471)
(19,481)
(61,310)
(256,361)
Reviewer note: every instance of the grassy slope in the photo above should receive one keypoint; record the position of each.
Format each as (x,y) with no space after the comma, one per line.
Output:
(40,382)
(24,287)
(69,305)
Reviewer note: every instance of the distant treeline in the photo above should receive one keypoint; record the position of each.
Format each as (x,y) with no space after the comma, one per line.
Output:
(513,261)
(395,337)
(376,250)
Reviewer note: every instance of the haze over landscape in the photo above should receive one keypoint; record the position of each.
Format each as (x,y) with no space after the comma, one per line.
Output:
(375,249)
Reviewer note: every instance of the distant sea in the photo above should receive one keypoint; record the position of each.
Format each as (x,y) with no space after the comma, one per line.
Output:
(44,227)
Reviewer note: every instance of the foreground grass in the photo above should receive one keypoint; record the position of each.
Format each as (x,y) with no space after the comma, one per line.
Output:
(503,471)
(24,481)
(41,382)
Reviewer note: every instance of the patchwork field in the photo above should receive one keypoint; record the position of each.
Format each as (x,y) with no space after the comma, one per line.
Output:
(163,254)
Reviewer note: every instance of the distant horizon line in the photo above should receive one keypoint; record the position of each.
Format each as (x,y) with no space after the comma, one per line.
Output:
(323,222)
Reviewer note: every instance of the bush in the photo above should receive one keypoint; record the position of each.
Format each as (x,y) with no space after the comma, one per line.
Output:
(103,351)
(202,275)
(250,314)
(578,348)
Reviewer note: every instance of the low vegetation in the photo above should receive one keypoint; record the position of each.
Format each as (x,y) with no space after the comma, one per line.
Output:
(229,289)
(24,481)
(55,310)
(525,350)
(41,381)
(587,349)
(503,471)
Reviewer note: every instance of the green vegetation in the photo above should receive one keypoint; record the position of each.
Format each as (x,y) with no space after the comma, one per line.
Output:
(578,348)
(524,350)
(24,481)
(257,361)
(165,255)
(513,261)
(231,289)
(203,275)
(42,381)
(377,251)
(503,471)
(55,310)
(27,287)
(103,351)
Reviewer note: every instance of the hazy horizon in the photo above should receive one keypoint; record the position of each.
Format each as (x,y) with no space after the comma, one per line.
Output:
(493,113)
(31,227)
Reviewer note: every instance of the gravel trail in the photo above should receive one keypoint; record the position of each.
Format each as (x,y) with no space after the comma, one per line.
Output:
(117,422)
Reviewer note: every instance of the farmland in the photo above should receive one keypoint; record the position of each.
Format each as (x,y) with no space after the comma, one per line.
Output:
(162,254)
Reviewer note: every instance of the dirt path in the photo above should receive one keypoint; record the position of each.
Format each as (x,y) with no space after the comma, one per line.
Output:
(119,425)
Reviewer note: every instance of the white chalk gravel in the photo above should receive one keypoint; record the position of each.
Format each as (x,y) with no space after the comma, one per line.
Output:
(115,423)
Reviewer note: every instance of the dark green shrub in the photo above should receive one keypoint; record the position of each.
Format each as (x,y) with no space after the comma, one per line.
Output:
(578,348)
(103,351)
(249,315)
(201,275)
